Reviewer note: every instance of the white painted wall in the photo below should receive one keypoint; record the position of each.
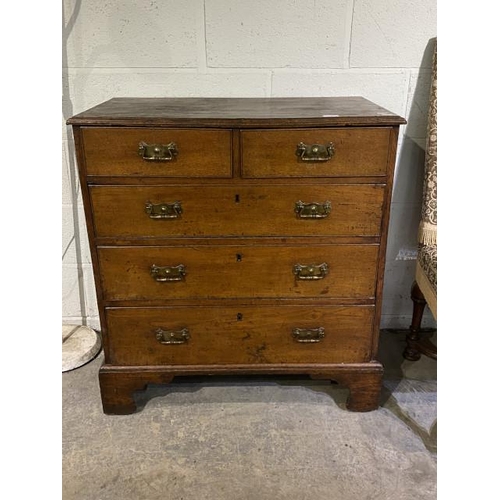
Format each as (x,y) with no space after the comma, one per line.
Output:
(380,49)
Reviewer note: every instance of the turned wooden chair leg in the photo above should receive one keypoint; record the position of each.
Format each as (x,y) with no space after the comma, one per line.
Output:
(413,337)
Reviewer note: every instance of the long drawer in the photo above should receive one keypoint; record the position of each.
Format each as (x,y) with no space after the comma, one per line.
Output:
(328,152)
(217,271)
(178,211)
(239,335)
(151,152)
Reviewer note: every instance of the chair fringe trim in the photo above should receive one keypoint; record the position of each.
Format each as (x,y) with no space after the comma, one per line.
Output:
(427,234)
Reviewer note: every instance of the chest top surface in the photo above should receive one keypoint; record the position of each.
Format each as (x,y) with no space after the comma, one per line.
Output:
(238,112)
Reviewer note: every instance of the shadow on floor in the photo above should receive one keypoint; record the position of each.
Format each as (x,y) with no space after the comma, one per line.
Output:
(242,389)
(409,390)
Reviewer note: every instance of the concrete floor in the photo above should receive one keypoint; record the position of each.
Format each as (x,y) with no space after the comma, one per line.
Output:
(246,438)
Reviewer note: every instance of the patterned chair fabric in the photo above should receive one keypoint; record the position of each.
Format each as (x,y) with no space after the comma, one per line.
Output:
(426,272)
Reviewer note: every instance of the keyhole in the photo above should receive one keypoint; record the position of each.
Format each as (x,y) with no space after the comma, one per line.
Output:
(237,198)
(238,257)
(239,316)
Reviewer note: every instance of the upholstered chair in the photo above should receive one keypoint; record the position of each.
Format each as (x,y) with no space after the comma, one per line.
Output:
(424,289)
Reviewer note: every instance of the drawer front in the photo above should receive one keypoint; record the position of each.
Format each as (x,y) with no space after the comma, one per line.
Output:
(275,153)
(197,153)
(239,335)
(153,273)
(121,211)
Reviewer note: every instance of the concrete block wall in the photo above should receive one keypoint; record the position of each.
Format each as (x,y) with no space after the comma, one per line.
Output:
(380,49)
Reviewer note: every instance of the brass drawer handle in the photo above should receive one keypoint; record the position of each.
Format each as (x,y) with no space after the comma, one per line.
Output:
(168,273)
(312,210)
(172,337)
(308,335)
(310,271)
(315,152)
(158,152)
(164,210)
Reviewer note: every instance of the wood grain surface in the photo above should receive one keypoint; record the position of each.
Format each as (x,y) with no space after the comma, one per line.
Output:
(232,335)
(237,210)
(237,112)
(238,271)
(357,152)
(114,151)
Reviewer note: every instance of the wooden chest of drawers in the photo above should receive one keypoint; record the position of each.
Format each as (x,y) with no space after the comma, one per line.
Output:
(237,236)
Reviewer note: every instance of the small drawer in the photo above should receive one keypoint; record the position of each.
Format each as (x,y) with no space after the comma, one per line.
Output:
(239,335)
(180,211)
(219,271)
(157,152)
(321,152)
